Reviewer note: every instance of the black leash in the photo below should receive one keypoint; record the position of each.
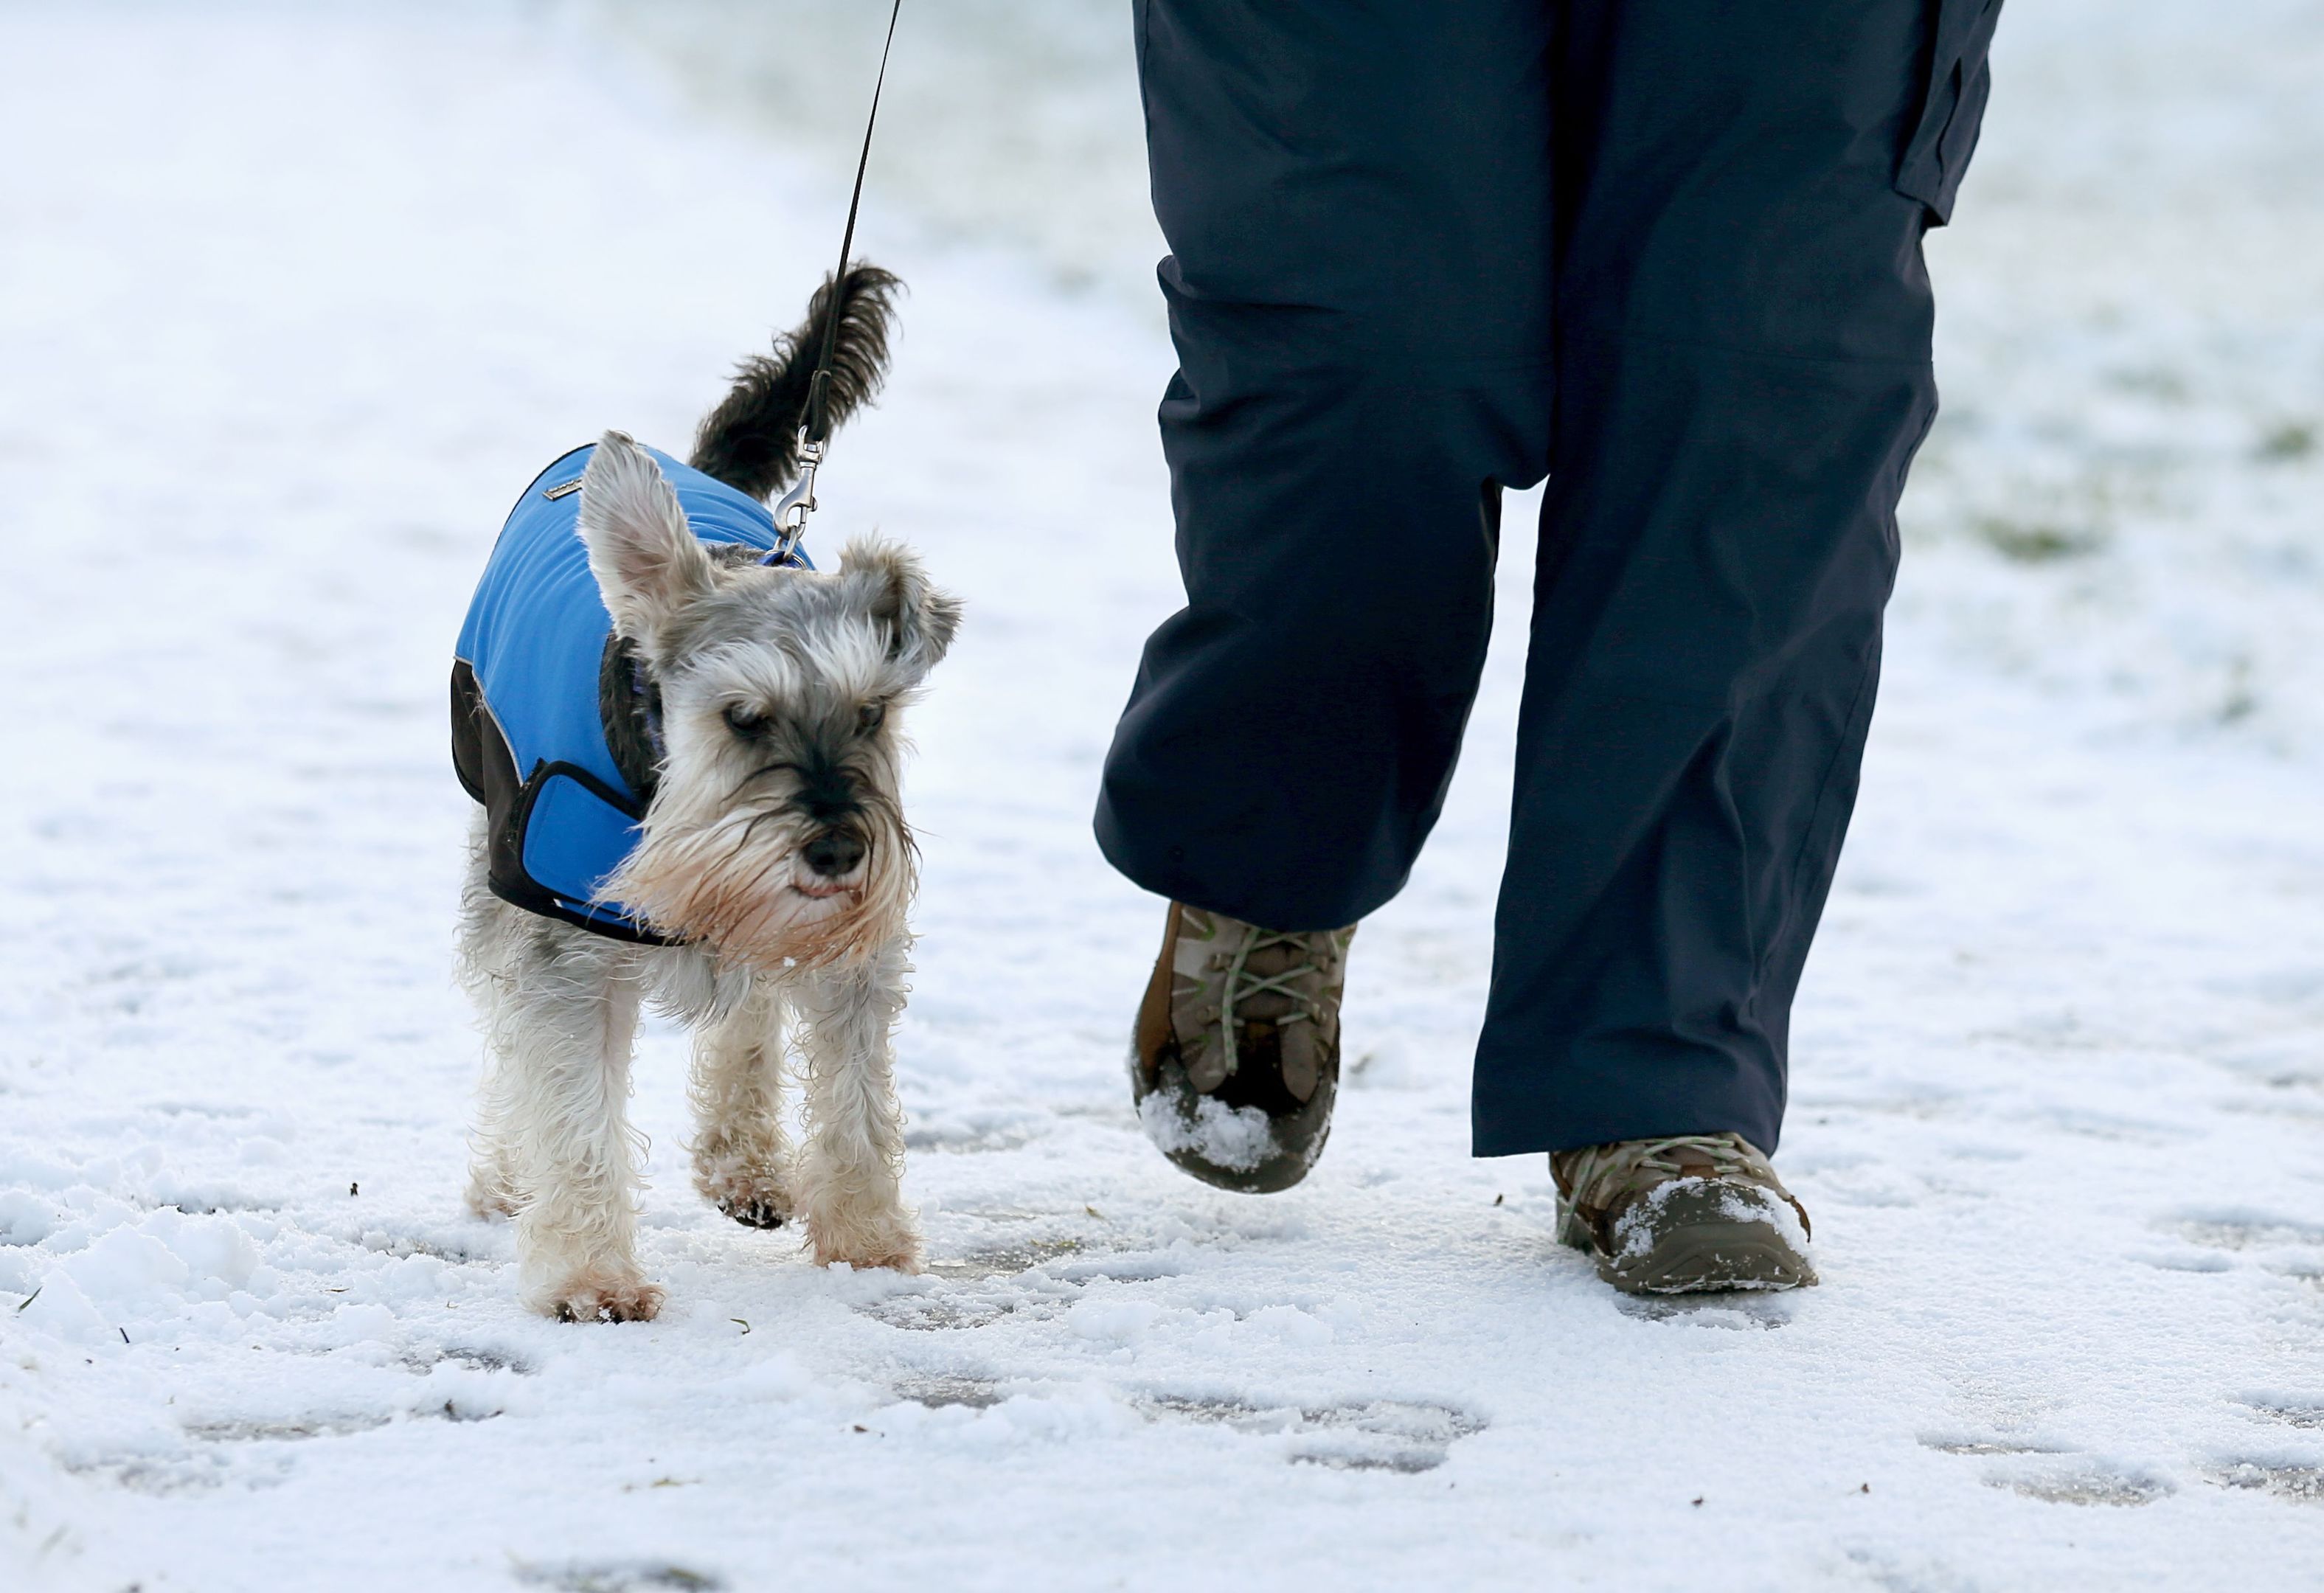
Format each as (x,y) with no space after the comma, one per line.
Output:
(791,512)
(816,430)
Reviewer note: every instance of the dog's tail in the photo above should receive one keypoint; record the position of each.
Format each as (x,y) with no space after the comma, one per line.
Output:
(750,440)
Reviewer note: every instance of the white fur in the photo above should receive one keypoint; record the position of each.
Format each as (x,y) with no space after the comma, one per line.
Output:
(552,1145)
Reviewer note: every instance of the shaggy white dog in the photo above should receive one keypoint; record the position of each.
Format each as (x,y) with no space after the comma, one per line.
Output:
(771,877)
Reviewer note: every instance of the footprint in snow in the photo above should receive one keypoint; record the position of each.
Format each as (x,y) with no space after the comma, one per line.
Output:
(2082,1483)
(1035,1277)
(2052,1472)
(2245,1230)
(156,1475)
(423,1358)
(1001,1261)
(620,1576)
(2301,1485)
(2290,1413)
(936,1393)
(288,1430)
(973,1291)
(400,1245)
(1361,1435)
(938,1314)
(1948,1445)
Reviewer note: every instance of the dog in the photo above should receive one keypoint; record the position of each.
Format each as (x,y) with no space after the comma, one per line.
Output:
(686,747)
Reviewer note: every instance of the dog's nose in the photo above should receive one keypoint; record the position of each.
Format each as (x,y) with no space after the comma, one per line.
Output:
(833,852)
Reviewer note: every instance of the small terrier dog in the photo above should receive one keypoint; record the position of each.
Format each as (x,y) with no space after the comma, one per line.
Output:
(750,869)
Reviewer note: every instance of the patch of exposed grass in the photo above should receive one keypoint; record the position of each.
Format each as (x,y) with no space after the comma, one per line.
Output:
(2293,439)
(2037,541)
(2154,382)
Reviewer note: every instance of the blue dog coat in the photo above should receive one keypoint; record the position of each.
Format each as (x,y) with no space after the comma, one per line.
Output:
(529,738)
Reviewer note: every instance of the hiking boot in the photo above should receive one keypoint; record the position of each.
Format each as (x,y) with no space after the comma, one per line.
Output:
(1675,1216)
(1236,1061)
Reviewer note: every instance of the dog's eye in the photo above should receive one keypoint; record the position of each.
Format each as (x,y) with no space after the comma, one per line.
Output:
(868,717)
(745,721)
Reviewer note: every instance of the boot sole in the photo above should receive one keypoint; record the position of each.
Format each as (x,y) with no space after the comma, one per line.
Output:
(1269,1177)
(1704,1257)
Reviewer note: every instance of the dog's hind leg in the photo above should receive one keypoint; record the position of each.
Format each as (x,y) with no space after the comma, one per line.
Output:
(851,1172)
(741,1160)
(493,1187)
(486,949)
(565,1015)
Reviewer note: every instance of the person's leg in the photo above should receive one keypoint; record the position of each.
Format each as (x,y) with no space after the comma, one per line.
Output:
(1356,198)
(1743,337)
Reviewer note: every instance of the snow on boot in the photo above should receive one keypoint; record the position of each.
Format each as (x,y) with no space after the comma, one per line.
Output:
(1681,1215)
(1236,1061)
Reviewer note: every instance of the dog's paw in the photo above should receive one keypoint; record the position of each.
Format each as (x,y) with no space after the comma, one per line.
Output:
(592,1302)
(771,1212)
(490,1194)
(753,1197)
(892,1245)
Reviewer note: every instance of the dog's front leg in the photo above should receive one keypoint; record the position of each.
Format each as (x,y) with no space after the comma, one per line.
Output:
(740,1162)
(567,1052)
(851,1173)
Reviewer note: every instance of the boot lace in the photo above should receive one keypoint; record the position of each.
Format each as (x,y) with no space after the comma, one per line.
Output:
(1241,985)
(1727,1153)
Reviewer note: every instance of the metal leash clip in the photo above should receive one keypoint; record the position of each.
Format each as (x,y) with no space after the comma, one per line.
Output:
(793,507)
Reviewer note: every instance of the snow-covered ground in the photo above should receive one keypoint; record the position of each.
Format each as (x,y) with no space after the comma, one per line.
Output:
(292,302)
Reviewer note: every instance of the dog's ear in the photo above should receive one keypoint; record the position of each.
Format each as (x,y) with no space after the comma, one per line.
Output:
(647,561)
(921,619)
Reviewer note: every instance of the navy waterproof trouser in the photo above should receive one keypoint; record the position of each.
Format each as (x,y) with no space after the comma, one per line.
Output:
(1667,253)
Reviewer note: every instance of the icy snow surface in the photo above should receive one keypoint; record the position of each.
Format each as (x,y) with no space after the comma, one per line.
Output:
(294,301)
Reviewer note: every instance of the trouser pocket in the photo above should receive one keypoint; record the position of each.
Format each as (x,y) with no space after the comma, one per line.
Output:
(1952,104)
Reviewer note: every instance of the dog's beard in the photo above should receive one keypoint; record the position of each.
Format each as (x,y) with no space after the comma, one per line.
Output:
(732,878)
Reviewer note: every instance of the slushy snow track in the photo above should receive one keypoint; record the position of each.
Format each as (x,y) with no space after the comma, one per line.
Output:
(292,302)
